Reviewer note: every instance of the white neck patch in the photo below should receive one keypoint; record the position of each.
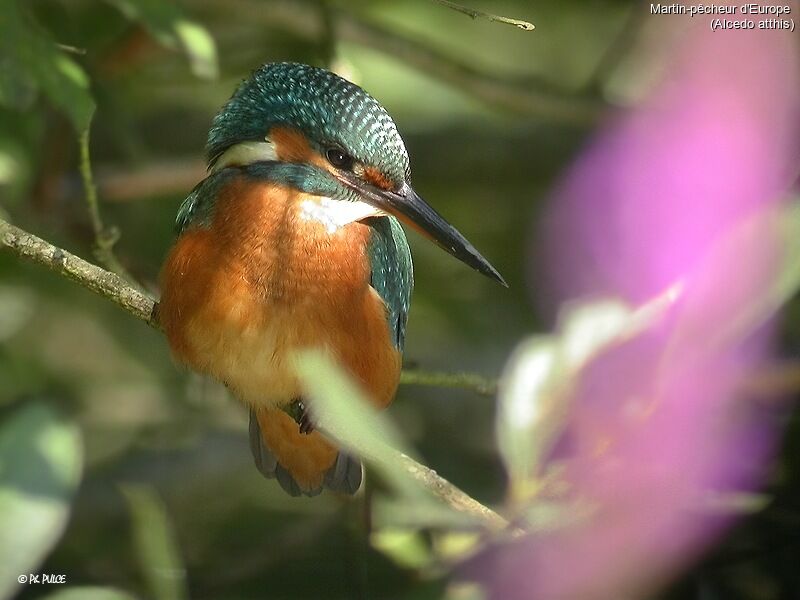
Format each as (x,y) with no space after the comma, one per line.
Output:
(334,214)
(245,153)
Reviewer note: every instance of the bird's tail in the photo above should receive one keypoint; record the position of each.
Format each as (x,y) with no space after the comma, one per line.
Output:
(302,463)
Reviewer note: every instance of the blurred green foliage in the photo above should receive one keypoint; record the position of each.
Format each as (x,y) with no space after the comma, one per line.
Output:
(33,62)
(40,466)
(170,505)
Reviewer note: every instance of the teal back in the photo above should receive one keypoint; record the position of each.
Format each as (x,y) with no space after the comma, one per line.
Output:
(392,273)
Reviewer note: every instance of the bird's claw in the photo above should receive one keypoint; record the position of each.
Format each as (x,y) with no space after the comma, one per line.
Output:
(302,417)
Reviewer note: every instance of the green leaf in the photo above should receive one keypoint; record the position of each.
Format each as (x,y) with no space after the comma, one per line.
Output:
(165,21)
(343,412)
(530,409)
(460,590)
(410,513)
(41,457)
(155,544)
(32,60)
(199,47)
(456,545)
(89,593)
(17,88)
(406,547)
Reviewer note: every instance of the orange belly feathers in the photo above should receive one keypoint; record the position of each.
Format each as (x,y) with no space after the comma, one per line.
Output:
(268,277)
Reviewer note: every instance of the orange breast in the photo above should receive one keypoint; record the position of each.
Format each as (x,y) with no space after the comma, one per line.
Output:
(264,280)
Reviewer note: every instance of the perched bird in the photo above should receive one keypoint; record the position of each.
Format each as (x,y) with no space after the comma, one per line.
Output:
(293,242)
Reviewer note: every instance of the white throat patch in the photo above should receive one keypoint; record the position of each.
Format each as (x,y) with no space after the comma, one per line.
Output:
(334,214)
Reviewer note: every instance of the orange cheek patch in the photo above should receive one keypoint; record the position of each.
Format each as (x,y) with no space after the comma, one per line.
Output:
(292,146)
(378,179)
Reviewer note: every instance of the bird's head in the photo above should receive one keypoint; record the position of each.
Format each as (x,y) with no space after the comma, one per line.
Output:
(315,131)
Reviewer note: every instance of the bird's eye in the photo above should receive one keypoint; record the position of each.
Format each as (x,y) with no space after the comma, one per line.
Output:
(339,158)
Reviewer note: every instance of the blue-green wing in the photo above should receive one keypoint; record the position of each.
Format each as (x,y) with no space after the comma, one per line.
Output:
(198,207)
(392,273)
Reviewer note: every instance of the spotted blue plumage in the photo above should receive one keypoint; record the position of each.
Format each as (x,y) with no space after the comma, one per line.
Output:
(392,273)
(329,110)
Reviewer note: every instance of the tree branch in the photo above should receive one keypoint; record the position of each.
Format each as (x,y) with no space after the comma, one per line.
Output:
(101,282)
(451,495)
(143,307)
(471,12)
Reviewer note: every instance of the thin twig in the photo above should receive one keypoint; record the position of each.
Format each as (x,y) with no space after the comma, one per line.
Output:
(89,188)
(72,49)
(104,237)
(471,12)
(467,381)
(143,307)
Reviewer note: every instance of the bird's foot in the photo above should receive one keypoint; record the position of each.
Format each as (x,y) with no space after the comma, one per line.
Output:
(302,416)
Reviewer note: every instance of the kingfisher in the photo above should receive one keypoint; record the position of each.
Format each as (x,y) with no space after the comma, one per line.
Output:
(293,242)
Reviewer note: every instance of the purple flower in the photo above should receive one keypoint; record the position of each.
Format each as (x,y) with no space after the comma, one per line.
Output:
(685,188)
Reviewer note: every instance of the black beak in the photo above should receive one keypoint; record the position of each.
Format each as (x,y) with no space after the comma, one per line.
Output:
(407,206)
